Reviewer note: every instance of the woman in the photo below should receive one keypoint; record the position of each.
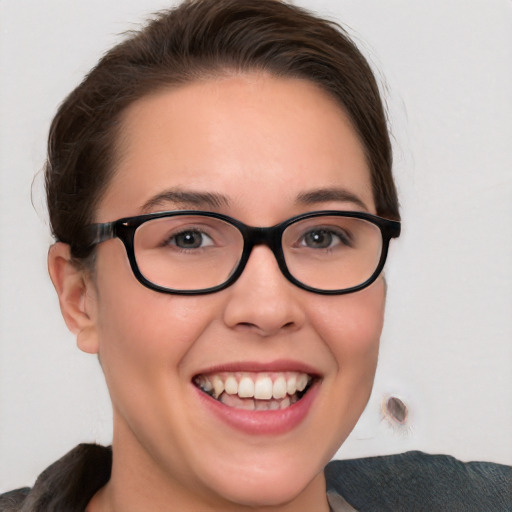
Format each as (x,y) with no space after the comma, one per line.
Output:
(222,201)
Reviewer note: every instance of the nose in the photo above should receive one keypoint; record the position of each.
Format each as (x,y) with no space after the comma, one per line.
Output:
(262,300)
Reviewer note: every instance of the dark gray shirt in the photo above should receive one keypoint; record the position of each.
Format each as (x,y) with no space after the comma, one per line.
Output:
(408,482)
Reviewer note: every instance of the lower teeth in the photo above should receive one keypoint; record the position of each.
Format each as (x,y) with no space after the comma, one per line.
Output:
(252,404)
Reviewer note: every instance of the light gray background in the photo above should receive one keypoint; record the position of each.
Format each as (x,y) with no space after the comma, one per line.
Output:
(447,343)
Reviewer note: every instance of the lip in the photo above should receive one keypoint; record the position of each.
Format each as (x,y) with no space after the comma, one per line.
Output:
(272,422)
(271,367)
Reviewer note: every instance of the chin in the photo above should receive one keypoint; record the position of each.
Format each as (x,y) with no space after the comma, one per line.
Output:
(267,481)
(271,490)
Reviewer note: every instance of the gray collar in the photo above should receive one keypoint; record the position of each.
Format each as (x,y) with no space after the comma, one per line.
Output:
(338,504)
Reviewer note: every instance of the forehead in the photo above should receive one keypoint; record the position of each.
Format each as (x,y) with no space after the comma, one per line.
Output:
(249,137)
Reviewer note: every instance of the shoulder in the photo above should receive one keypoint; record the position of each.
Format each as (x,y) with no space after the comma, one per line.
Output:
(67,484)
(421,482)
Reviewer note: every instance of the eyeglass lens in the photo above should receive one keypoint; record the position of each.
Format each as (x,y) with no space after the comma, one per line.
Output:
(200,252)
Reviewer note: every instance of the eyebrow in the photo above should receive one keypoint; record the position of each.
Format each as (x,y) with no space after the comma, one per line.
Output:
(323,195)
(181,198)
(187,199)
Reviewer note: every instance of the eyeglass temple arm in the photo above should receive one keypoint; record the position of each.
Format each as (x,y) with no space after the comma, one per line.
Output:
(102,232)
(396,229)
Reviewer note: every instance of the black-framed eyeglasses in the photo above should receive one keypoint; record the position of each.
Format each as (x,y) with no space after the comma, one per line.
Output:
(191,252)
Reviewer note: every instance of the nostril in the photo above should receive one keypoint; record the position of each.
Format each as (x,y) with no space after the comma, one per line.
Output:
(246,324)
(269,331)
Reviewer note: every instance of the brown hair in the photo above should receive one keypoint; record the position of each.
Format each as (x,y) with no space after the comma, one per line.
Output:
(198,39)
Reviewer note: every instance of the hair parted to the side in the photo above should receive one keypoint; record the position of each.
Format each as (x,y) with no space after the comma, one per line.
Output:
(196,40)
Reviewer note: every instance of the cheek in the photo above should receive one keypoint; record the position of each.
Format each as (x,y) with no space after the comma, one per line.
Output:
(140,329)
(351,325)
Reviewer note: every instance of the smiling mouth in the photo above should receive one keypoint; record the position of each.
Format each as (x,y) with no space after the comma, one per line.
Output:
(255,391)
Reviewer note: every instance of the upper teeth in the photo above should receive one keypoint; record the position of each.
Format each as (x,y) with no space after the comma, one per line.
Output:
(262,386)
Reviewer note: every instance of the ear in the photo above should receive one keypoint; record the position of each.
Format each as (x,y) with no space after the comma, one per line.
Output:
(76,293)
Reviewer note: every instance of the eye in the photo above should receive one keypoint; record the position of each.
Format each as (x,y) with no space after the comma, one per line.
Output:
(324,238)
(190,239)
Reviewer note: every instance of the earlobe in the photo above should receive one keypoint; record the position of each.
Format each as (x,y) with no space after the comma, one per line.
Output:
(74,290)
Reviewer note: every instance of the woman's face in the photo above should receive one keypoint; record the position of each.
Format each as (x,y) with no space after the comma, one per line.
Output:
(266,149)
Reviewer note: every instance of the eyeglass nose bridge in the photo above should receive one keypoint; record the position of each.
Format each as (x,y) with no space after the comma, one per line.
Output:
(270,237)
(263,236)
